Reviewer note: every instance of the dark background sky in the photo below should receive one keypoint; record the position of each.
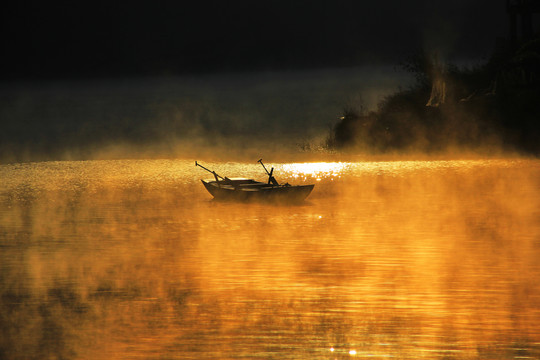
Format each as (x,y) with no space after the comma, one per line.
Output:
(42,39)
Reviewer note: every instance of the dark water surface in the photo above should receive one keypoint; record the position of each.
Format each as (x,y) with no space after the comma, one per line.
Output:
(406,260)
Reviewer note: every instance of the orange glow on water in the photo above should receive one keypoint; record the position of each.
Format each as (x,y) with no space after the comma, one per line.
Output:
(127,259)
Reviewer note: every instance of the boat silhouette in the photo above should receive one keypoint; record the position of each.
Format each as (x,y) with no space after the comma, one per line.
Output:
(244,189)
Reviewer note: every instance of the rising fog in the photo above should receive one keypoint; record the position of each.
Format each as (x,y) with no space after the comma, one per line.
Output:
(239,115)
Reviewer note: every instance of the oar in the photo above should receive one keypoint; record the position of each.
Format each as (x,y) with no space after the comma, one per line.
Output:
(210,171)
(271,179)
(260,161)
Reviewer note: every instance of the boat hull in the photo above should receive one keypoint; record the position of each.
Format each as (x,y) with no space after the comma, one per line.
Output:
(249,190)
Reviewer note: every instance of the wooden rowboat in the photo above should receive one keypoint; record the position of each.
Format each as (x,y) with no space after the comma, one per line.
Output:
(249,189)
(242,189)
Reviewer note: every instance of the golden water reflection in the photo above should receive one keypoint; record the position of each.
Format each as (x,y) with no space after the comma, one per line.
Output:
(408,260)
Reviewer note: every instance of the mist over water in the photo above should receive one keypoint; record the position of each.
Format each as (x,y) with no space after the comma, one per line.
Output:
(401,259)
(182,116)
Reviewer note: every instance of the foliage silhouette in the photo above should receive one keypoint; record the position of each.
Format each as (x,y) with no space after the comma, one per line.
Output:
(494,105)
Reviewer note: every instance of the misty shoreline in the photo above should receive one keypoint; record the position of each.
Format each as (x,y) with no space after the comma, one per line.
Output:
(283,115)
(182,115)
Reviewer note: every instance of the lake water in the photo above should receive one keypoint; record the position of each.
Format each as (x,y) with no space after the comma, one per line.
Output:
(132,259)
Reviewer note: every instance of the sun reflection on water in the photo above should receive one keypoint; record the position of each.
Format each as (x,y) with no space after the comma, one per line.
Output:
(338,170)
(317,171)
